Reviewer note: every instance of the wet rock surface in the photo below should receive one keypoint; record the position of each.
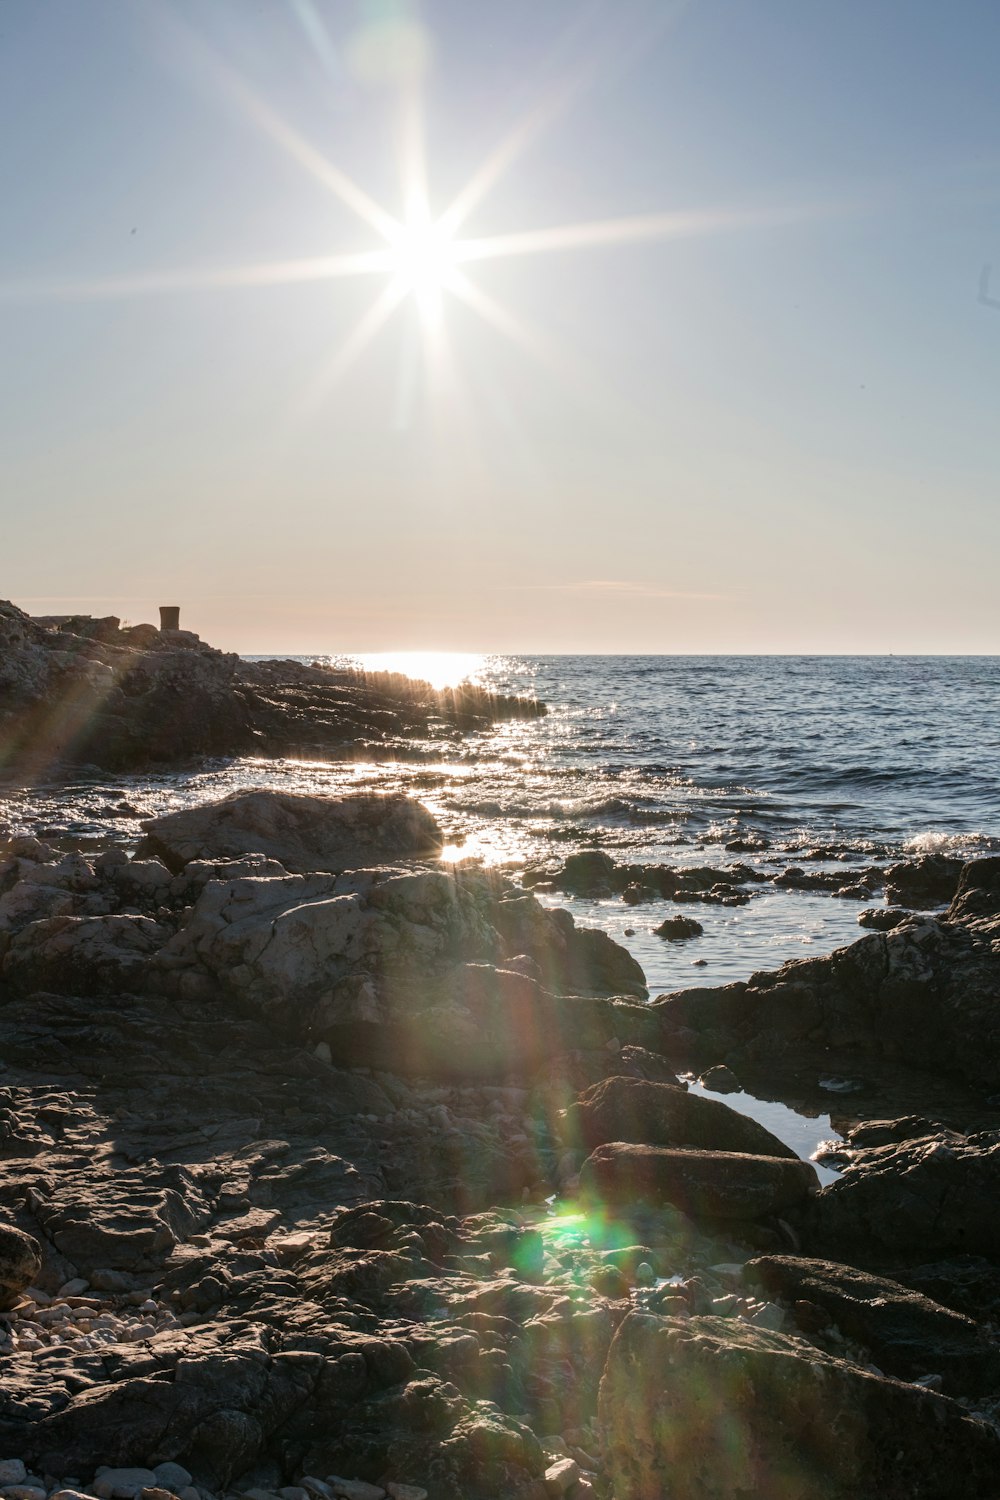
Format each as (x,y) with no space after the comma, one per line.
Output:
(329,1170)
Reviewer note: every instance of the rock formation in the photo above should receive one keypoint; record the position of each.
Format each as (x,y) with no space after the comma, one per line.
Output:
(282,1103)
(83,691)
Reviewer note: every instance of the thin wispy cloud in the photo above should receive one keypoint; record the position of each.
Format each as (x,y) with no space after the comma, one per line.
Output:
(616,586)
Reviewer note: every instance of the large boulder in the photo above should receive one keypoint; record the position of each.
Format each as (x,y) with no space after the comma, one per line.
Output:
(418,971)
(704,1184)
(711,1408)
(662,1114)
(305,833)
(907,1334)
(978,892)
(931,880)
(930,1196)
(82,955)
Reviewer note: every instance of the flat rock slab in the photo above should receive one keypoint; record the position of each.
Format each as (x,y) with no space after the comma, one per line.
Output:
(710,1408)
(704,1184)
(658,1114)
(304,833)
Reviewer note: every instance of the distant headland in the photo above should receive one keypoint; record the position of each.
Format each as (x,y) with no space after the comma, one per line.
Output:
(77,690)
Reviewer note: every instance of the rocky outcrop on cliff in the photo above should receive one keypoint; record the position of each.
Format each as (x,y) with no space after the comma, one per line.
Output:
(81,691)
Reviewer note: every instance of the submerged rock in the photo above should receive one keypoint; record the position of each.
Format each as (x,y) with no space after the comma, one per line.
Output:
(677,929)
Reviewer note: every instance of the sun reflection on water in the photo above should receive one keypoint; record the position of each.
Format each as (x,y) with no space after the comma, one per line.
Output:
(442,669)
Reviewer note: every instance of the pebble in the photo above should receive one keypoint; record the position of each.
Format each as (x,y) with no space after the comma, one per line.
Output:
(23,1492)
(355,1489)
(769,1315)
(172,1477)
(405,1491)
(726,1307)
(122,1484)
(561,1476)
(12,1471)
(80,1322)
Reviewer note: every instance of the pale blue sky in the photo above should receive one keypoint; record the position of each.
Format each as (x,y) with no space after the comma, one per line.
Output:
(779,433)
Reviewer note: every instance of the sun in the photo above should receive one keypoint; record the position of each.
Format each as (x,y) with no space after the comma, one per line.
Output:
(422,258)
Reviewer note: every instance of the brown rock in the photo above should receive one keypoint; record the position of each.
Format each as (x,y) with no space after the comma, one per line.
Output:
(20,1262)
(704,1184)
(710,1408)
(658,1114)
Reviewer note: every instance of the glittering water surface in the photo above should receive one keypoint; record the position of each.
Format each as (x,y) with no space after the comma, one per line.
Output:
(663,759)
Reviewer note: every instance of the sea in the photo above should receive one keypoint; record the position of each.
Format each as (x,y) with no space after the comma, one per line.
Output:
(822,763)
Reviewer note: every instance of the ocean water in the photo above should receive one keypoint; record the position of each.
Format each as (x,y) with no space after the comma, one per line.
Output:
(861,760)
(824,762)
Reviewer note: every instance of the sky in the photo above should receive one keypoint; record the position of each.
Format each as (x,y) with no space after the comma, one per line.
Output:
(568,326)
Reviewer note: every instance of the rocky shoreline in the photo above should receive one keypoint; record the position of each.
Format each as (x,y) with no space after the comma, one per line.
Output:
(329,1169)
(88,692)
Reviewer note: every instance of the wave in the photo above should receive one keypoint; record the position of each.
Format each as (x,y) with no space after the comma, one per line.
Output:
(935,842)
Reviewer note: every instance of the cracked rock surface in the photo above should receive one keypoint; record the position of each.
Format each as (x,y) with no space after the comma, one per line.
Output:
(278,1131)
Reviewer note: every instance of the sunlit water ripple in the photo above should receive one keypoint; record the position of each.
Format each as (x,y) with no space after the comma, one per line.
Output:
(665,759)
